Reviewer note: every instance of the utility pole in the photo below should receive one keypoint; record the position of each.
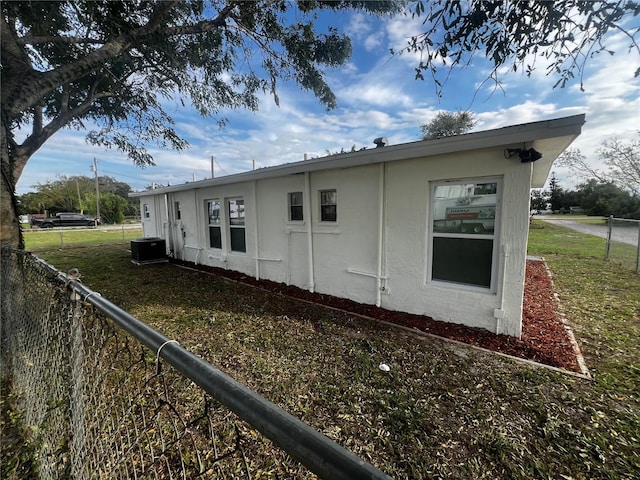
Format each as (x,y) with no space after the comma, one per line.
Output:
(95,170)
(79,199)
(213,161)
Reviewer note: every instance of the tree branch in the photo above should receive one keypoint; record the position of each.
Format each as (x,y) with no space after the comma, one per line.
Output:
(15,60)
(39,84)
(30,40)
(37,139)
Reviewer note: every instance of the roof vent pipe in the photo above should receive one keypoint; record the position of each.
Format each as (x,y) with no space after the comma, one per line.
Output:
(381,142)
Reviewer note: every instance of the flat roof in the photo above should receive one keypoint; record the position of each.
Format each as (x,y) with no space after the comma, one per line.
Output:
(549,137)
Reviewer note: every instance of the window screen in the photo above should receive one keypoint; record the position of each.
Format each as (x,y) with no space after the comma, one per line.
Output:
(328,206)
(215,234)
(237,225)
(295,206)
(463,260)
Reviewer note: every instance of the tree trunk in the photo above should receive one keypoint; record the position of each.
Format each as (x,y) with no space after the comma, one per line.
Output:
(9,225)
(10,233)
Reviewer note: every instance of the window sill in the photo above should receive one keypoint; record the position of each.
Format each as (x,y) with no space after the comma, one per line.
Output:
(461,286)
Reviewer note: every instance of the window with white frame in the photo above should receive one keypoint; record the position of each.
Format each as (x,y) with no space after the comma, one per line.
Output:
(295,207)
(237,225)
(463,232)
(215,233)
(328,206)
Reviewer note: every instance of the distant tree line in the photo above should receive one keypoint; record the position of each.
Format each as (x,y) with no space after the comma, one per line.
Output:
(78,194)
(613,191)
(593,197)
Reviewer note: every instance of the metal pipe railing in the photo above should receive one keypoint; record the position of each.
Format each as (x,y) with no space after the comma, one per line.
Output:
(611,220)
(312,449)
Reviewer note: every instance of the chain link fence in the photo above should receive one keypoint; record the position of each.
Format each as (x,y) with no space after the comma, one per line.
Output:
(39,238)
(103,396)
(623,242)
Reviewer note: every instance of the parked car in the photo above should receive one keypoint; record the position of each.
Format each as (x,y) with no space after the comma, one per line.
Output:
(65,219)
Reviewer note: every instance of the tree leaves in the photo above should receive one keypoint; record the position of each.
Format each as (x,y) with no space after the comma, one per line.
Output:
(109,61)
(447,124)
(564,34)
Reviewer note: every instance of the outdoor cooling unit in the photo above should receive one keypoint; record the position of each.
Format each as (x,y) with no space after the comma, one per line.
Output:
(148,250)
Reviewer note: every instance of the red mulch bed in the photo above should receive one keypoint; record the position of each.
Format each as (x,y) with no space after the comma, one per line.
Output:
(544,336)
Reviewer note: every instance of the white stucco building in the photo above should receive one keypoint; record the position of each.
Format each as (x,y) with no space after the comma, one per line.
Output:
(436,228)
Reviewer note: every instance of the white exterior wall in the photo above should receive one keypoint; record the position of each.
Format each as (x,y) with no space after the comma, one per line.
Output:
(152,225)
(282,252)
(407,247)
(346,253)
(200,252)
(182,235)
(349,244)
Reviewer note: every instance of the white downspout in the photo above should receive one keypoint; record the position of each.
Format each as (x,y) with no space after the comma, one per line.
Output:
(381,228)
(167,229)
(198,231)
(499,312)
(288,256)
(307,214)
(256,237)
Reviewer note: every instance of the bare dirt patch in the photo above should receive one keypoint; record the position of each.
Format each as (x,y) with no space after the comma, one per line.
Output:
(544,335)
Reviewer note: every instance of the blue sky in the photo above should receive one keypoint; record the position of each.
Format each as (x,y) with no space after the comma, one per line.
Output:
(377,96)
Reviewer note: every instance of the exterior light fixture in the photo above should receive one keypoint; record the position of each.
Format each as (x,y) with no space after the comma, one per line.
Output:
(526,156)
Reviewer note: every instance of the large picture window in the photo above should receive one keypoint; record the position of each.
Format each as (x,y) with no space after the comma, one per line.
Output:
(463,232)
(215,234)
(237,225)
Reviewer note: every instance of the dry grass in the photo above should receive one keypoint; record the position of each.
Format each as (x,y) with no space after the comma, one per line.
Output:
(443,411)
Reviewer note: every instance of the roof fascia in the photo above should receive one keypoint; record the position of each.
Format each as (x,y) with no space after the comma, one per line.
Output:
(505,136)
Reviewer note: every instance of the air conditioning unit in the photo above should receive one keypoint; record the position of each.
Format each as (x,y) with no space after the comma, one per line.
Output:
(148,250)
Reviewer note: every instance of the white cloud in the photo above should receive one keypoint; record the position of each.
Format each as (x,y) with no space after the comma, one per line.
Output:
(375,93)
(363,30)
(400,29)
(377,96)
(359,26)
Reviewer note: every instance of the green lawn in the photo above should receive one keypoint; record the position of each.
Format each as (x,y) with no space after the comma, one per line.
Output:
(39,239)
(601,299)
(444,411)
(547,239)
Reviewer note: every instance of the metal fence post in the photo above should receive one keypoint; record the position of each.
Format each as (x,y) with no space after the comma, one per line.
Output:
(609,228)
(77,401)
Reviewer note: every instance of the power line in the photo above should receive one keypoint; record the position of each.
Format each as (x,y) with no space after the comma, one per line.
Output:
(123,175)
